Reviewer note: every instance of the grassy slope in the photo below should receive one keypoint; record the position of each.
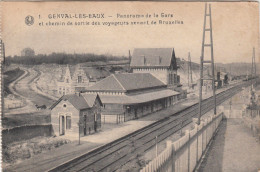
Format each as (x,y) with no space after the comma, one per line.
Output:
(11,76)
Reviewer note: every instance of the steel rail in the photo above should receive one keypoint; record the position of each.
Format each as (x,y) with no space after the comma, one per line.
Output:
(86,162)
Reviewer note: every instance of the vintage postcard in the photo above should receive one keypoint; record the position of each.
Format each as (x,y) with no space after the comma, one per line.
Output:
(130,86)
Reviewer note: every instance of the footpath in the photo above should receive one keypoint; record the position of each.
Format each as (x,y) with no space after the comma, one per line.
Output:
(233,149)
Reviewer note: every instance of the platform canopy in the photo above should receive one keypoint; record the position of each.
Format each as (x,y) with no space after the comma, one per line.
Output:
(138,98)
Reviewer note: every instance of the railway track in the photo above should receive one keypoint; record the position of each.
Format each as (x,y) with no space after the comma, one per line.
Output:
(111,156)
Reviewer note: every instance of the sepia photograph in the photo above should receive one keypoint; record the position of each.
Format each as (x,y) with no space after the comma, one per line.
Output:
(130,86)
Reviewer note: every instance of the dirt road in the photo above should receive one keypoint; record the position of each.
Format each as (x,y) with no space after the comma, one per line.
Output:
(24,89)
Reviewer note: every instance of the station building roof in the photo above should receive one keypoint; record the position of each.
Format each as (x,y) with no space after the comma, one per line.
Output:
(79,101)
(124,82)
(153,57)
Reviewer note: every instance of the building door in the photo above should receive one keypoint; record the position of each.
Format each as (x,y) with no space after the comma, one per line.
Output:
(135,112)
(95,122)
(62,125)
(85,125)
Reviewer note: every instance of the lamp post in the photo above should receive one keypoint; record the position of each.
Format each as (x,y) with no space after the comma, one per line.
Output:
(79,124)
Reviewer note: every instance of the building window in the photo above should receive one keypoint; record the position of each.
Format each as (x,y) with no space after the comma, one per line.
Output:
(67,80)
(79,79)
(170,78)
(64,105)
(175,80)
(95,117)
(128,109)
(68,122)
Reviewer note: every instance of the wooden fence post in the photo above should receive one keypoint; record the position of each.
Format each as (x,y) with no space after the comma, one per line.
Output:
(173,157)
(169,146)
(202,131)
(187,132)
(208,123)
(197,145)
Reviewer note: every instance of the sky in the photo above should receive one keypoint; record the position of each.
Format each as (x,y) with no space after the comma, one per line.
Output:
(235,28)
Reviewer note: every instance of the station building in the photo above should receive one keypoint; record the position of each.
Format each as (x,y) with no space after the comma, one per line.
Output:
(160,62)
(221,79)
(74,79)
(127,96)
(74,113)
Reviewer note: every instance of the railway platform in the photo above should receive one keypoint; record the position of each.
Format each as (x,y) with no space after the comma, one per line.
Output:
(109,132)
(55,157)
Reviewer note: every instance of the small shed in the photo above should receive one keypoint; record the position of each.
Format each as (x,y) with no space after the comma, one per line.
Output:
(76,113)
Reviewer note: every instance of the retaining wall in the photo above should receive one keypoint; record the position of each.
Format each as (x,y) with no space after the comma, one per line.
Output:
(25,132)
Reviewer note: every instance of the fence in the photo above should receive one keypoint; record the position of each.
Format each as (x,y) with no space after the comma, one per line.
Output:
(185,153)
(114,119)
(13,104)
(25,132)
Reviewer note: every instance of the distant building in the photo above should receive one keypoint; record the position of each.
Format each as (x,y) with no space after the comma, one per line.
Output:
(76,110)
(253,108)
(127,96)
(73,80)
(221,79)
(28,52)
(160,62)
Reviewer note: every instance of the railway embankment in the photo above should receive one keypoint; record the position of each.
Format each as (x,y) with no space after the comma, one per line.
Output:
(236,146)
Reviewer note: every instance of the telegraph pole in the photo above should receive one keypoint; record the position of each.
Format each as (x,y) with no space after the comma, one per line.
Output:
(189,71)
(2,61)
(253,68)
(129,56)
(211,61)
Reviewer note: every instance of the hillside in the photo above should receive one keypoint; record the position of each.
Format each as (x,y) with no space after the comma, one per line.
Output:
(183,70)
(239,68)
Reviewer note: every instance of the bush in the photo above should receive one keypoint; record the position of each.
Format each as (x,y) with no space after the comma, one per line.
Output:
(26,149)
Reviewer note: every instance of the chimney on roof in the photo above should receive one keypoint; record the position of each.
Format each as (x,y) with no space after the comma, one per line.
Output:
(160,60)
(130,58)
(129,54)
